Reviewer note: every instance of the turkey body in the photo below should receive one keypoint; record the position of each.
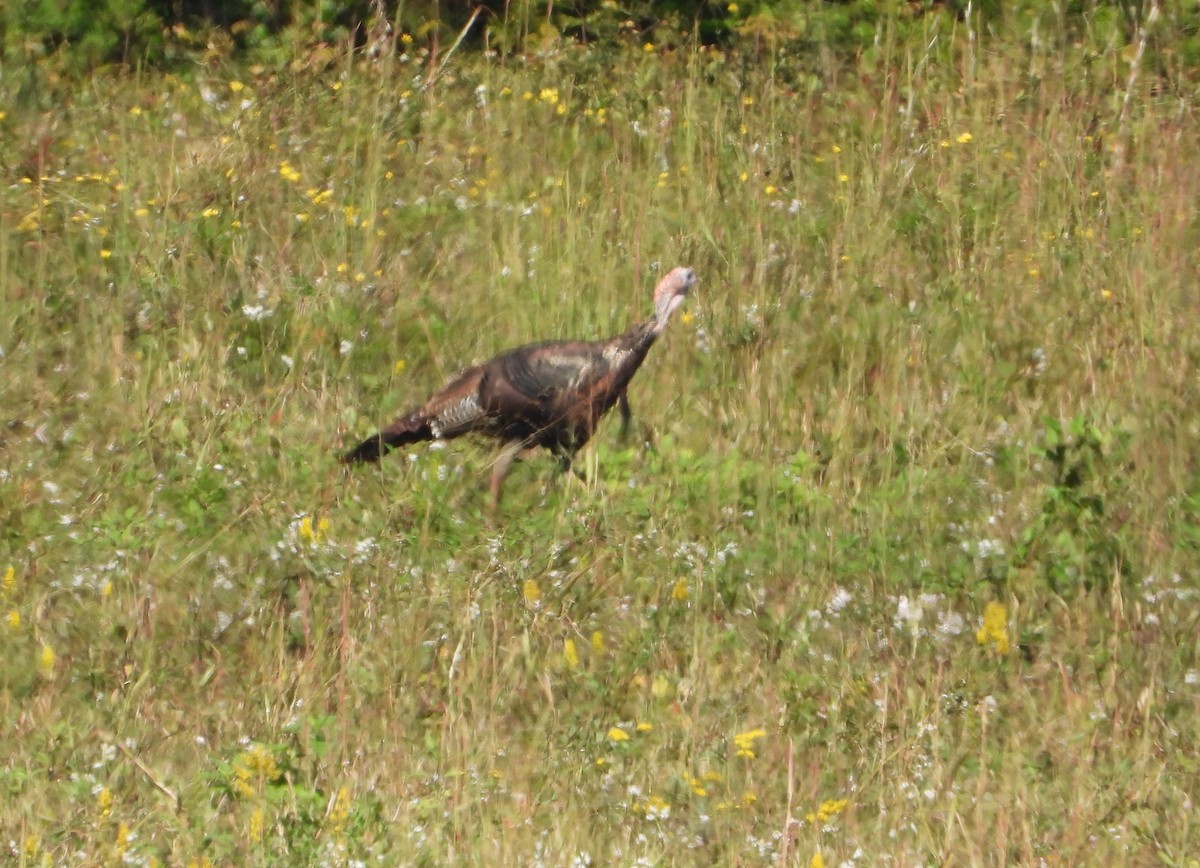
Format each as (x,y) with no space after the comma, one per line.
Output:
(549,395)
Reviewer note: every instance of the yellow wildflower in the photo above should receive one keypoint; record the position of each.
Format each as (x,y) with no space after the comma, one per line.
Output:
(827,810)
(597,642)
(254,829)
(10,580)
(29,222)
(843,178)
(817,861)
(657,808)
(236,86)
(995,627)
(210,212)
(745,742)
(732,9)
(251,769)
(406,38)
(106,254)
(122,843)
(618,734)
(964,138)
(532,592)
(104,802)
(643,726)
(310,533)
(14,619)
(648,47)
(570,654)
(679,593)
(46,660)
(399,367)
(340,811)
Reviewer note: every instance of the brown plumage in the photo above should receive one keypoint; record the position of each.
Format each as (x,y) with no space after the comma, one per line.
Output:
(549,394)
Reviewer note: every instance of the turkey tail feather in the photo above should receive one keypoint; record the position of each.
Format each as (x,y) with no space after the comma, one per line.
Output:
(410,429)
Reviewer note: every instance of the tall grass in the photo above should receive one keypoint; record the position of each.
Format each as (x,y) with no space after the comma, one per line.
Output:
(943,356)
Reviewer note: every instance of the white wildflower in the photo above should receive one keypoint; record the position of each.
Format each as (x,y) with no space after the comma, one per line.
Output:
(840,599)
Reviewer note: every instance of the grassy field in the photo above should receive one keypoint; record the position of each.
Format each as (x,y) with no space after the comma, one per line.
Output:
(900,567)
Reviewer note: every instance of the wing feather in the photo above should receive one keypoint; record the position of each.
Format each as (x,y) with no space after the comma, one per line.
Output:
(547,371)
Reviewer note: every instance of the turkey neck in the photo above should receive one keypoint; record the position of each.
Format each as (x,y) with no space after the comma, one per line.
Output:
(624,355)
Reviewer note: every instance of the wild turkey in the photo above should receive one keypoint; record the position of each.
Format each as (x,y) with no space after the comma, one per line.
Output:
(549,394)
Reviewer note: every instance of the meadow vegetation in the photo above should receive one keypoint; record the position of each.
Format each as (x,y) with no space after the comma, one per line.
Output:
(900,566)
